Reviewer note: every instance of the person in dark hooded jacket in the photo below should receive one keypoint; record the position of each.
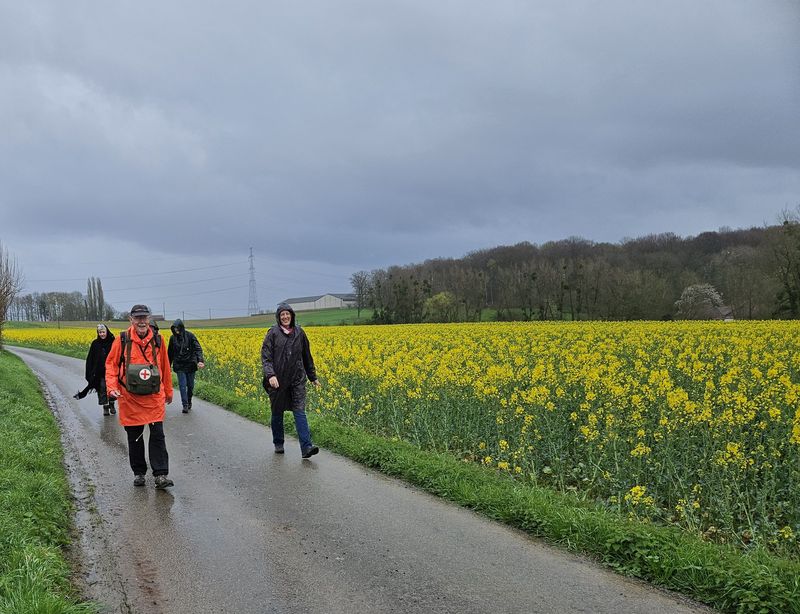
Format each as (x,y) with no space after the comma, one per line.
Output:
(186,357)
(96,369)
(287,363)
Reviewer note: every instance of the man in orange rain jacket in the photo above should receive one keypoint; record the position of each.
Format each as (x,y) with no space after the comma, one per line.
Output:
(138,375)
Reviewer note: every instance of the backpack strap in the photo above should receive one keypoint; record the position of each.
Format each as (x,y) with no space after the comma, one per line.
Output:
(125,345)
(155,343)
(125,354)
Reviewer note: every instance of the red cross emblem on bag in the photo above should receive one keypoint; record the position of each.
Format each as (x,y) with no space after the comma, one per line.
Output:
(144,374)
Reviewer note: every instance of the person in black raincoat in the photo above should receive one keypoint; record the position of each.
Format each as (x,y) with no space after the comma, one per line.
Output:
(96,369)
(287,363)
(186,357)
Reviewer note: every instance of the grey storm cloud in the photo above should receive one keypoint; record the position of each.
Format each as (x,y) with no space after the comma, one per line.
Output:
(357,135)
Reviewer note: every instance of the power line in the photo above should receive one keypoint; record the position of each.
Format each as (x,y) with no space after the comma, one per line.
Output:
(150,274)
(285,268)
(317,273)
(161,298)
(175,283)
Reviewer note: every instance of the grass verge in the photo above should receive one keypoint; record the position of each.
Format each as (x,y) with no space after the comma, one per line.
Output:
(35,509)
(717,575)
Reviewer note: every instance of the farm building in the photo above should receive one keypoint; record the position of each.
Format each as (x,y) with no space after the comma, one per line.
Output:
(322,301)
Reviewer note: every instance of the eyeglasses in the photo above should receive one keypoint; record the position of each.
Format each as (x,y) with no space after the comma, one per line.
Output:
(140,318)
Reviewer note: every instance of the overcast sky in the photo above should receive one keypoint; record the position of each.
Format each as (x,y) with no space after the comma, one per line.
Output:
(143,138)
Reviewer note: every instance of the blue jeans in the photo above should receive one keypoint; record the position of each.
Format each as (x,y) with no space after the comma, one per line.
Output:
(300,423)
(186,384)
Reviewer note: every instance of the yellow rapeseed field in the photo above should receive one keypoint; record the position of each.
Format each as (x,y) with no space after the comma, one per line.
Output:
(696,424)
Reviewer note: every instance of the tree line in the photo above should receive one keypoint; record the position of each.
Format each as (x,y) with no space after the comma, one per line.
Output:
(745,274)
(61,306)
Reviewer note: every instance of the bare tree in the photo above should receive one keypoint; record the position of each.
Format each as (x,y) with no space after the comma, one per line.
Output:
(100,299)
(91,311)
(360,283)
(787,258)
(10,285)
(745,278)
(96,307)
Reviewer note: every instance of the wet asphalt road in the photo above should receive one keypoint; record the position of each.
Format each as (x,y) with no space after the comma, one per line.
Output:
(244,530)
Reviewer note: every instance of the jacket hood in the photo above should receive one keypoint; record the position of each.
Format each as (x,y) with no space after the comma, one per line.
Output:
(177,327)
(284,307)
(109,335)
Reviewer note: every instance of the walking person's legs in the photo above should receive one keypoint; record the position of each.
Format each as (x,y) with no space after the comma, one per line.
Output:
(104,400)
(190,387)
(303,432)
(159,458)
(136,453)
(307,448)
(276,424)
(102,397)
(182,384)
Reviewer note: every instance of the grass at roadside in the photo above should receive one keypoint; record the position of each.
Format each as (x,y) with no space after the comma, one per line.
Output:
(34,501)
(715,574)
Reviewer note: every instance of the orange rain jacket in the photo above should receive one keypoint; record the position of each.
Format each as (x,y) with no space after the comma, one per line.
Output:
(138,409)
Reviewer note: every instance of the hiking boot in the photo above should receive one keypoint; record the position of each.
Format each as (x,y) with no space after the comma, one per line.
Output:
(310,451)
(163,481)
(138,480)
(112,409)
(279,448)
(185,409)
(106,412)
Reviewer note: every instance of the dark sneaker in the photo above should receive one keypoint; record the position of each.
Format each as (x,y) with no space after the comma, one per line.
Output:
(105,411)
(185,409)
(138,480)
(163,481)
(112,409)
(310,451)
(279,448)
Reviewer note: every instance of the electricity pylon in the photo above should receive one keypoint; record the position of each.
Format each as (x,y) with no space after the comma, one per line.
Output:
(252,303)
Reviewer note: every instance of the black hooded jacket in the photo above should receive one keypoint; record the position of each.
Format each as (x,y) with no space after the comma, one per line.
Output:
(96,359)
(184,349)
(287,357)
